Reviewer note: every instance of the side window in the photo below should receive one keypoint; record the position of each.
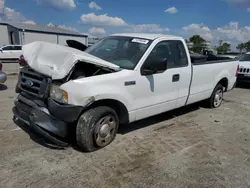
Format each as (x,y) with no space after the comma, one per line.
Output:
(173,51)
(162,50)
(7,48)
(180,55)
(19,48)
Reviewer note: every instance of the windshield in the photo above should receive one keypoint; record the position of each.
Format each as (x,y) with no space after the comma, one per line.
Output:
(245,57)
(125,52)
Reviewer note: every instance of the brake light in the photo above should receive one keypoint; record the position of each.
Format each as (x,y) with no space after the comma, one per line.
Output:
(237,71)
(22,61)
(1,66)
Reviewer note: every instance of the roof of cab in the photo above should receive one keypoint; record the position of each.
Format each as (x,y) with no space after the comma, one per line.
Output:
(148,36)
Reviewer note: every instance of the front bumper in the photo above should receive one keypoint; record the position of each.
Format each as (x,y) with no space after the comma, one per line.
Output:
(54,128)
(3,77)
(243,78)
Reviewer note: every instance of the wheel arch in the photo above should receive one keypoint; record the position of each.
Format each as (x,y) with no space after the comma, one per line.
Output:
(116,105)
(224,83)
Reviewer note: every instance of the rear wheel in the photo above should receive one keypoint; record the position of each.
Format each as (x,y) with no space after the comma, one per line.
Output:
(96,128)
(217,96)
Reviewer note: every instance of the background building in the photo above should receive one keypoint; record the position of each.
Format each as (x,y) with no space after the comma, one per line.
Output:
(19,33)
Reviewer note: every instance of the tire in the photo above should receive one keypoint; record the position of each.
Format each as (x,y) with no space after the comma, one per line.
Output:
(96,128)
(217,97)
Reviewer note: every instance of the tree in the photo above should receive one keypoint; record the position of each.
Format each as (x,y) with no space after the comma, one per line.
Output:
(198,43)
(225,47)
(220,42)
(241,47)
(244,46)
(247,46)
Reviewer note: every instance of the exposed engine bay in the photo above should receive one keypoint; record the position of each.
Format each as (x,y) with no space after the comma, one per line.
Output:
(82,69)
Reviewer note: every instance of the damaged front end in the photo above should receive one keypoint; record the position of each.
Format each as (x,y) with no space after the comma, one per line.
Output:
(43,105)
(34,107)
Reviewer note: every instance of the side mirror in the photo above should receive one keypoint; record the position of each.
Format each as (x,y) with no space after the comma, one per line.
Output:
(155,66)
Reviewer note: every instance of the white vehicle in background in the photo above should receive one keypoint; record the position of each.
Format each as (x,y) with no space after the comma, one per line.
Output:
(10,53)
(244,68)
(118,80)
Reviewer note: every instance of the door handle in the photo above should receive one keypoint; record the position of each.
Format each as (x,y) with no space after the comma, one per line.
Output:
(176,78)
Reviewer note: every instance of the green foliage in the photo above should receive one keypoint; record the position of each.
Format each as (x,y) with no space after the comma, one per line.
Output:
(244,46)
(220,42)
(241,47)
(198,43)
(247,46)
(224,47)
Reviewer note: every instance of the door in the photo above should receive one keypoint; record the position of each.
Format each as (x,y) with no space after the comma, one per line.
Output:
(158,92)
(184,69)
(16,52)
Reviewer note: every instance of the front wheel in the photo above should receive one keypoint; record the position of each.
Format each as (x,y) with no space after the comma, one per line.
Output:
(96,128)
(217,96)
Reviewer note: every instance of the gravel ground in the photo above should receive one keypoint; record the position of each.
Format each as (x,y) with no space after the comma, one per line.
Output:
(190,147)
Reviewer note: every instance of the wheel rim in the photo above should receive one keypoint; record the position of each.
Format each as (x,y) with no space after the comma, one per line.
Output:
(105,131)
(218,98)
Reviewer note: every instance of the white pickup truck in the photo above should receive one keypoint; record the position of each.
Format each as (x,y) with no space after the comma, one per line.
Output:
(120,79)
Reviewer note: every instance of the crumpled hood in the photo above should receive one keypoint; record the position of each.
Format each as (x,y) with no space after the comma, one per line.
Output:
(56,60)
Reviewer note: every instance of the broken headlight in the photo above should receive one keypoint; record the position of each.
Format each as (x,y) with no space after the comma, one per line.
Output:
(58,94)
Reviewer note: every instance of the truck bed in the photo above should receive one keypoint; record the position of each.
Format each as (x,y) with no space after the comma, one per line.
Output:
(205,76)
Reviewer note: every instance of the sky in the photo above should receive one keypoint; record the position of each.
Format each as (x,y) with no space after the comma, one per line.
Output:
(214,20)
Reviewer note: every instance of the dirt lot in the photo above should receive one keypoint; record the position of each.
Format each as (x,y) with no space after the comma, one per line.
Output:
(191,147)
